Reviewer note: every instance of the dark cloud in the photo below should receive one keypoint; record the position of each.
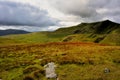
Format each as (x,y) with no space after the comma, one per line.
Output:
(13,13)
(89,10)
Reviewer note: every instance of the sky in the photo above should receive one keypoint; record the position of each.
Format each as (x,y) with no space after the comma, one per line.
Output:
(48,15)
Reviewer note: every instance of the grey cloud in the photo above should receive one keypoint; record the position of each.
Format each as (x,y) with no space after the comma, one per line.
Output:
(98,3)
(13,13)
(75,7)
(88,10)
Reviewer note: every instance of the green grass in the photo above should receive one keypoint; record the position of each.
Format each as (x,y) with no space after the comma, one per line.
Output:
(112,39)
(39,37)
(8,41)
(88,72)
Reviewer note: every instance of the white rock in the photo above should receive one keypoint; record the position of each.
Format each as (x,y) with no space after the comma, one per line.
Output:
(50,70)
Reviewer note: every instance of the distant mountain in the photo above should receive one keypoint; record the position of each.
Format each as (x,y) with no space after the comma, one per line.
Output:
(105,32)
(12,31)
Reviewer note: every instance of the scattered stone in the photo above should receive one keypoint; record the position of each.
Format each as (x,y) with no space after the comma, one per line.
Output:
(106,70)
(50,70)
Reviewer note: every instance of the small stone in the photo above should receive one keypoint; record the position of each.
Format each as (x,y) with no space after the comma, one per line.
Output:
(106,70)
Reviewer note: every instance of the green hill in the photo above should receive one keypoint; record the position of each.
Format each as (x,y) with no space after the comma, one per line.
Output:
(98,32)
(103,27)
(105,32)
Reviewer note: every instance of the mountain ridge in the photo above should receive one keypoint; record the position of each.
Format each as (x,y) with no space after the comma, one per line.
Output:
(12,31)
(98,26)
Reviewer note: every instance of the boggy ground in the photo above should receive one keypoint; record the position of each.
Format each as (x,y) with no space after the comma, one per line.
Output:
(74,60)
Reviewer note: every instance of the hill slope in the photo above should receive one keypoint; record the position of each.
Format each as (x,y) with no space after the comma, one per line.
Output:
(98,32)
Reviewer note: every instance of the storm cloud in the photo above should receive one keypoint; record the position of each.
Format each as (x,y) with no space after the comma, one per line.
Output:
(14,13)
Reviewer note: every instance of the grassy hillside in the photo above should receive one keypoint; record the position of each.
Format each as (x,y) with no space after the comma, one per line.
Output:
(98,32)
(36,37)
(105,32)
(75,61)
